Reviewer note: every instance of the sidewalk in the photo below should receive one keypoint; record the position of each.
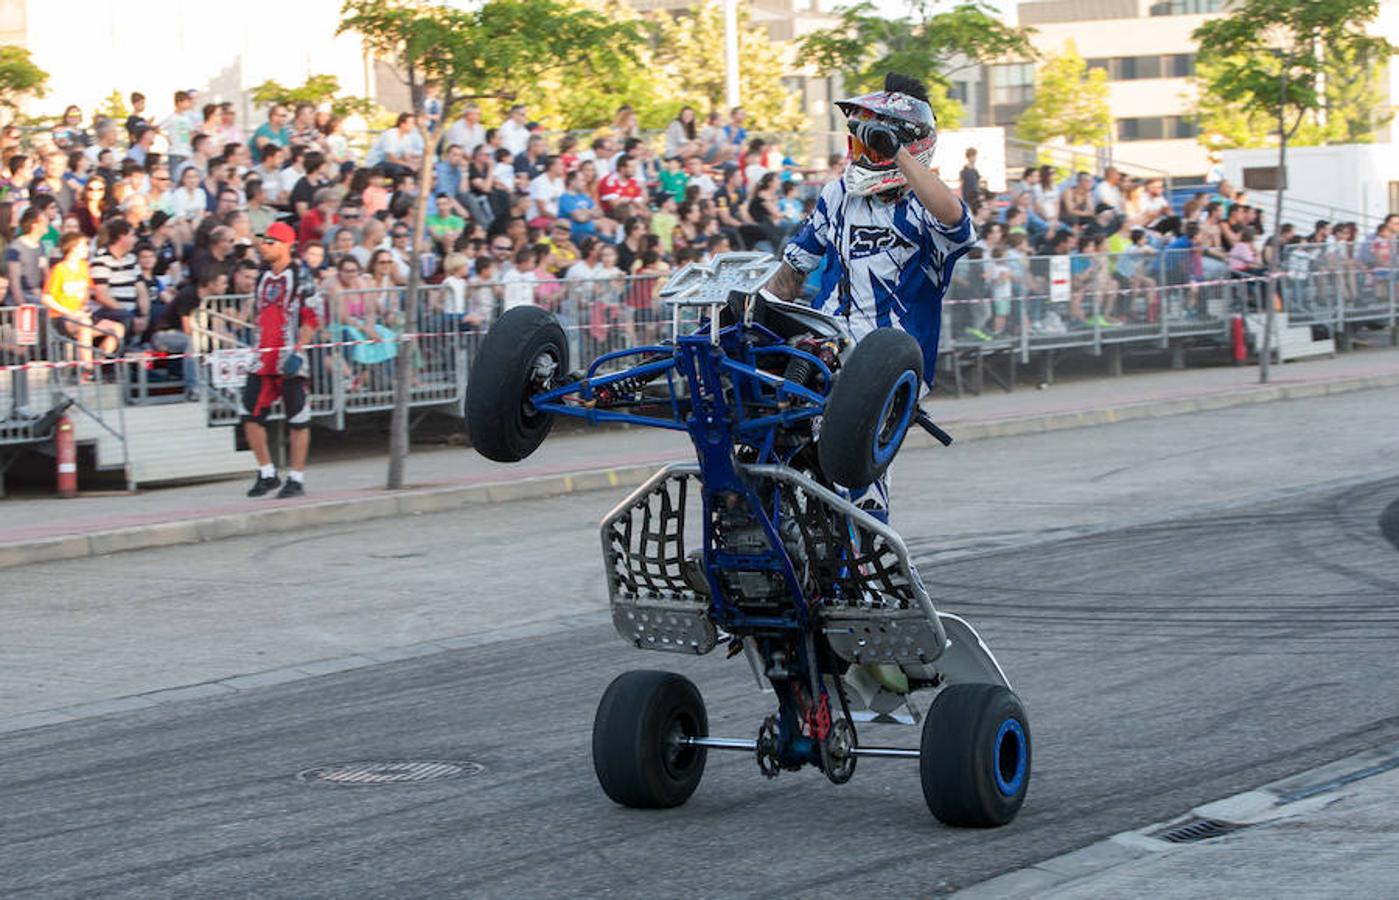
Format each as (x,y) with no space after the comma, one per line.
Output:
(1330,832)
(41,529)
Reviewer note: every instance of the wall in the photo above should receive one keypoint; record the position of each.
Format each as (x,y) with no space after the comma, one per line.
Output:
(1341,182)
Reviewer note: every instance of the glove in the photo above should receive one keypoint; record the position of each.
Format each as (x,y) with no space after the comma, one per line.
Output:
(880,138)
(292,364)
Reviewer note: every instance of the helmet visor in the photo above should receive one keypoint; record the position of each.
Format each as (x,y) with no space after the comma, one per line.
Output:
(859,150)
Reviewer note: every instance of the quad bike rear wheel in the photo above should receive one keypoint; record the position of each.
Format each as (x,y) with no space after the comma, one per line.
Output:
(975,756)
(637,753)
(524,352)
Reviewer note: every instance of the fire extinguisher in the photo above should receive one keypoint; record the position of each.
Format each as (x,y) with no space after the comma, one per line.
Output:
(1236,331)
(65,446)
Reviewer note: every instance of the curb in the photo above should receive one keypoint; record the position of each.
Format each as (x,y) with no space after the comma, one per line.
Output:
(443,499)
(1295,795)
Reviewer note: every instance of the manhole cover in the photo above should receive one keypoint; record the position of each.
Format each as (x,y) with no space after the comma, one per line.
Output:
(392,772)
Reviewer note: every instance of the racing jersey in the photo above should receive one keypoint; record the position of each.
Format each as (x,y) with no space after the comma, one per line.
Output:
(283,301)
(887,263)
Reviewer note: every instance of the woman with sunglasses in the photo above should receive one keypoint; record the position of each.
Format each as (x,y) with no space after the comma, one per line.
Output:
(888,231)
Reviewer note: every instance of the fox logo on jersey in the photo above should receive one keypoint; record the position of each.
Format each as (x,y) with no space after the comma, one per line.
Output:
(866,240)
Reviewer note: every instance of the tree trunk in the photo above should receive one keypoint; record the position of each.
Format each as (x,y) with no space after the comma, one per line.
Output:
(405,364)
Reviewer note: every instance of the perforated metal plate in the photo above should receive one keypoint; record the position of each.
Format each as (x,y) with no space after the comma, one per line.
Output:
(391,772)
(708,283)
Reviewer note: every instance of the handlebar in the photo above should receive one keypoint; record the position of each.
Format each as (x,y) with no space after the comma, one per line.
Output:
(926,422)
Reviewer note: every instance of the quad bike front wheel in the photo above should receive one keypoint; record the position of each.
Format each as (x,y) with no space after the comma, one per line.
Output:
(524,352)
(637,753)
(870,408)
(975,756)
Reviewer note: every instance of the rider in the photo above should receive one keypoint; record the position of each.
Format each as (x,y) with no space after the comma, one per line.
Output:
(889,230)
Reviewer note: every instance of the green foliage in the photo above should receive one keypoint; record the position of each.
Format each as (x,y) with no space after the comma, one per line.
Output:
(1309,70)
(114,107)
(490,50)
(316,90)
(19,76)
(691,52)
(928,45)
(1071,103)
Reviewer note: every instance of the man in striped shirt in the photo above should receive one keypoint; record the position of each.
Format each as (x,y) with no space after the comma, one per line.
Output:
(115,275)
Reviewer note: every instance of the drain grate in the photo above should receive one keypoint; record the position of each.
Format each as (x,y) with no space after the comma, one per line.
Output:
(1197,830)
(391,772)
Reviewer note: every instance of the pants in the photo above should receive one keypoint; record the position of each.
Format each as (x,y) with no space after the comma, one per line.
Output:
(261,391)
(179,342)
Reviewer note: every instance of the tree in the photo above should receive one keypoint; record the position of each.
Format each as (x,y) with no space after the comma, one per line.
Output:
(1348,77)
(691,52)
(1224,125)
(932,46)
(19,77)
(1071,103)
(484,52)
(1269,58)
(114,107)
(316,90)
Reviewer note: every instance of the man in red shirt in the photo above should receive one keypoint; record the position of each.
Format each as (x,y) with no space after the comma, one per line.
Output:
(621,186)
(318,218)
(287,312)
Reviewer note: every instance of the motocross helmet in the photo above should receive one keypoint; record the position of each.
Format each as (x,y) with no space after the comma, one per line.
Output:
(902,105)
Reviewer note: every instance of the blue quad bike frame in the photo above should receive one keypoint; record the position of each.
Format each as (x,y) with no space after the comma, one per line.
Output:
(761,544)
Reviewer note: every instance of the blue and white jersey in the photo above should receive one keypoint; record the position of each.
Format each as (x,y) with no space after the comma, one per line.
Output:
(886,263)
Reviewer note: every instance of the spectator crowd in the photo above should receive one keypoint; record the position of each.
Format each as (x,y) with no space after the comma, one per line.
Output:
(1125,241)
(120,229)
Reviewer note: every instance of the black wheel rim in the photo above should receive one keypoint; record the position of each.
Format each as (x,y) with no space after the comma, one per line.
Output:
(535,384)
(680,758)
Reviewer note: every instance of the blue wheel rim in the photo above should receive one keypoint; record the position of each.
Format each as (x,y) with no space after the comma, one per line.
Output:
(884,450)
(1010,761)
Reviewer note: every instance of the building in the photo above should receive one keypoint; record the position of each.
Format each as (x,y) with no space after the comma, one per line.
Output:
(1146,48)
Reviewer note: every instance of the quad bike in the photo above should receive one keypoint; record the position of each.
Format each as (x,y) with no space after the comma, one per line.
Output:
(758,546)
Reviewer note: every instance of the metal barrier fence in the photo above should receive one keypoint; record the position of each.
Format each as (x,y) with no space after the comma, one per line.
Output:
(999,302)
(24,394)
(1090,301)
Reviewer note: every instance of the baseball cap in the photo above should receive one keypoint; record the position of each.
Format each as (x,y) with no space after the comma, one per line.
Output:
(280,231)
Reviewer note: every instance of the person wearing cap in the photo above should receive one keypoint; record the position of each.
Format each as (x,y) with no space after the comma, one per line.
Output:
(888,232)
(287,312)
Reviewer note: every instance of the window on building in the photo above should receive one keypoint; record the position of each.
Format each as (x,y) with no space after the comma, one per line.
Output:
(1012,84)
(1263,178)
(1141,129)
(959,91)
(1181,127)
(1184,7)
(1129,68)
(1394,197)
(1101,62)
(1180,65)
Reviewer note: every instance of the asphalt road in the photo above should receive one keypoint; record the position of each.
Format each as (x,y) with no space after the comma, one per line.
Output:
(1163,666)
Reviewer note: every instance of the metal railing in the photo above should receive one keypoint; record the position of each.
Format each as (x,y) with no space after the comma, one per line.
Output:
(24,393)
(95,379)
